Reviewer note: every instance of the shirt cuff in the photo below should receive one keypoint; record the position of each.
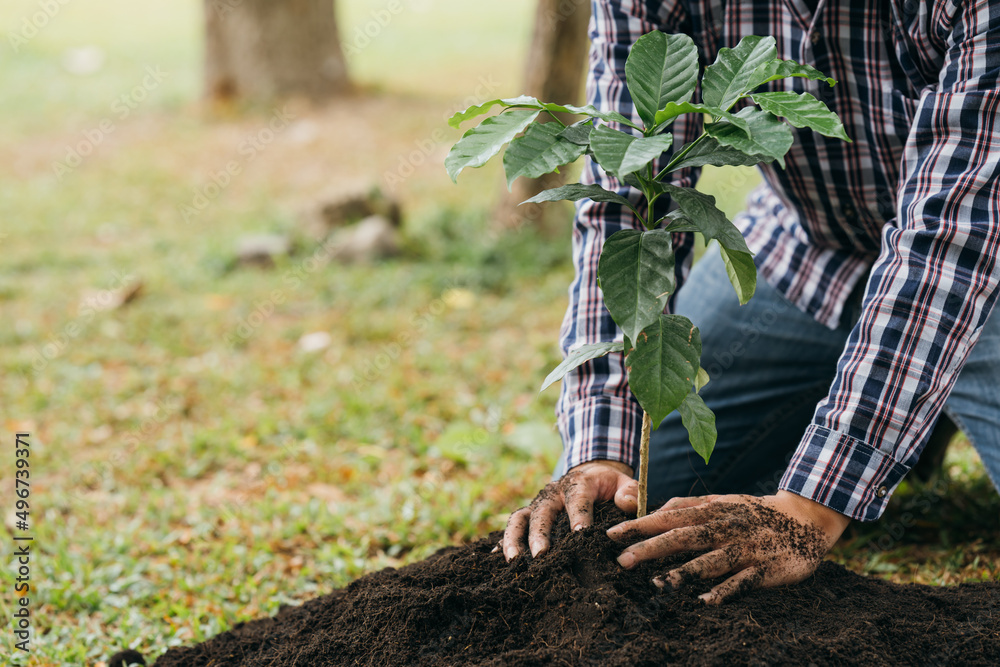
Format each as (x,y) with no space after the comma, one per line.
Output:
(842,473)
(601,428)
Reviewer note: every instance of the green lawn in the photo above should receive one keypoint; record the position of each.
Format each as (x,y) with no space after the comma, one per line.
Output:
(182,483)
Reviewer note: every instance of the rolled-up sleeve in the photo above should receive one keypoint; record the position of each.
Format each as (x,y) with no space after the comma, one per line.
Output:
(930,292)
(597,415)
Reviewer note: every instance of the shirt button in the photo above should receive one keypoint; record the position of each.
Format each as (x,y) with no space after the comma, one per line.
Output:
(881,492)
(814,37)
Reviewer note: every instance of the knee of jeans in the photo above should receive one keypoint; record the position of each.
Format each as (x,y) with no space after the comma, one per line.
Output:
(983,434)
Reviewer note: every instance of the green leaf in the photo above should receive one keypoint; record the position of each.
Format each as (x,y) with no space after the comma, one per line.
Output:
(637,277)
(661,68)
(593,112)
(540,150)
(709,151)
(726,80)
(700,211)
(578,133)
(741,271)
(666,115)
(768,135)
(620,153)
(803,110)
(783,69)
(528,102)
(480,109)
(481,143)
(578,191)
(701,380)
(700,424)
(578,357)
(609,147)
(633,180)
(714,225)
(663,365)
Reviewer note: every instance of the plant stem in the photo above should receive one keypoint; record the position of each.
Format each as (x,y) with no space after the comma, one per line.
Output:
(556,119)
(680,156)
(643,463)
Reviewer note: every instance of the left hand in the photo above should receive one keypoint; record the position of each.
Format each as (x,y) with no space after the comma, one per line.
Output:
(769,541)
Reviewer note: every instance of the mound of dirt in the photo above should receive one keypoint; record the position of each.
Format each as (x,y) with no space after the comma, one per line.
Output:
(576,606)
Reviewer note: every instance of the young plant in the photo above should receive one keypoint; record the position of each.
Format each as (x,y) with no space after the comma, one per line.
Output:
(636,267)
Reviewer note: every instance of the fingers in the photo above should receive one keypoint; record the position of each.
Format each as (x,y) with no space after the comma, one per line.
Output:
(707,566)
(627,494)
(691,501)
(580,493)
(663,520)
(575,494)
(515,533)
(579,502)
(674,541)
(544,512)
(759,541)
(735,586)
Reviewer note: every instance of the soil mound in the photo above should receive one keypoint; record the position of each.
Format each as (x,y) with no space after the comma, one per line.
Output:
(576,606)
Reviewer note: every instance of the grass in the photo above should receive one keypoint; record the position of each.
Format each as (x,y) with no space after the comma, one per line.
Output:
(181,483)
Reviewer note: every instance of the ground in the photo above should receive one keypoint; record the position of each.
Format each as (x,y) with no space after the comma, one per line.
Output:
(192,466)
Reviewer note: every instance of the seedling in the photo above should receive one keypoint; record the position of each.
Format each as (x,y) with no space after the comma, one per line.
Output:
(636,267)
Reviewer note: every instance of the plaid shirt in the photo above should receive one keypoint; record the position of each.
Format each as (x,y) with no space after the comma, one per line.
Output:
(912,203)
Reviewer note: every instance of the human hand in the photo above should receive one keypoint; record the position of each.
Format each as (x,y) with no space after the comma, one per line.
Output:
(762,542)
(576,492)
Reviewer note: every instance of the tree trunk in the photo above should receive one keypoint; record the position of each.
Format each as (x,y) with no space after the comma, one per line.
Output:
(556,64)
(262,49)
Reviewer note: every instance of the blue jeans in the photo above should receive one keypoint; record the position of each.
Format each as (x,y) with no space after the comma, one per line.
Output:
(770,364)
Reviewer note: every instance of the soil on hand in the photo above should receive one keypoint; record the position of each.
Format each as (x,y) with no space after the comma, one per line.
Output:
(576,606)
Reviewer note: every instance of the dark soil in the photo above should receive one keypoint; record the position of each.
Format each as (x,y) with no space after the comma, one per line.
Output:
(576,606)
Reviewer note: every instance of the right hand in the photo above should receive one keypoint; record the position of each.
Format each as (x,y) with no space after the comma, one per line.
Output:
(576,492)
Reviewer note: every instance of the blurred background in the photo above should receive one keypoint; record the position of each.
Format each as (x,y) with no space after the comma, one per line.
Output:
(262,344)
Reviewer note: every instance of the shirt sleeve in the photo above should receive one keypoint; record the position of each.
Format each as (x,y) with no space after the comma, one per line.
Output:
(597,415)
(930,292)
